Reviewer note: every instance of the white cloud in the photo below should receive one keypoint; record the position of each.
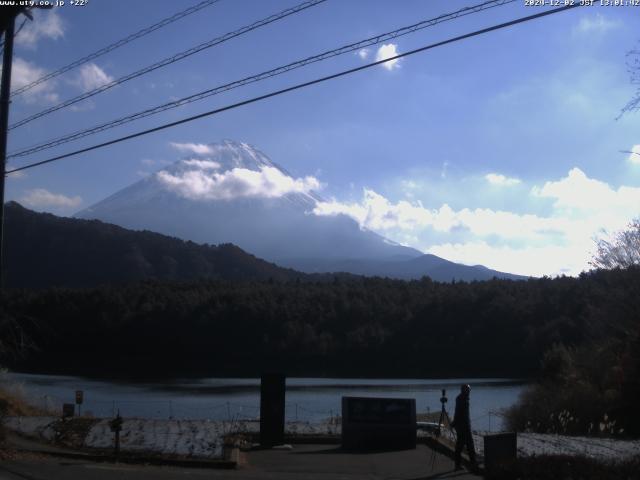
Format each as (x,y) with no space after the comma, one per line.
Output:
(91,76)
(269,182)
(151,165)
(46,25)
(385,51)
(202,164)
(152,162)
(363,53)
(17,175)
(634,155)
(561,242)
(197,148)
(592,24)
(41,198)
(443,170)
(23,73)
(534,261)
(376,212)
(578,196)
(501,180)
(84,106)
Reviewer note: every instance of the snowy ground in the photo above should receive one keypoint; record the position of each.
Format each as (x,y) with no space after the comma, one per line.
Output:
(37,427)
(193,438)
(547,444)
(204,438)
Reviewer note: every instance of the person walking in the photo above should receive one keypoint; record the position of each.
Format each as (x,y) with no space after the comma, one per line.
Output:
(462,424)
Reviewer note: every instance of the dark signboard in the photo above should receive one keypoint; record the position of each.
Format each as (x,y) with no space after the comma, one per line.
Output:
(272,391)
(378,423)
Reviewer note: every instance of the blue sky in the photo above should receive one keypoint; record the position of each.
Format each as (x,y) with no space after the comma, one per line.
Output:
(501,150)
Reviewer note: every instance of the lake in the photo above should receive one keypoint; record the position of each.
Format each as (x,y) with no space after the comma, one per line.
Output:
(307,399)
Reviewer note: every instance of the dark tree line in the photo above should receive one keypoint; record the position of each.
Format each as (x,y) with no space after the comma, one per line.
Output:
(364,327)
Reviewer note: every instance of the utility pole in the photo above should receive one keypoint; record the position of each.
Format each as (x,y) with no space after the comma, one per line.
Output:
(5,92)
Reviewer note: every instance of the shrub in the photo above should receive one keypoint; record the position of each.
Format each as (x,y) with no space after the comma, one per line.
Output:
(580,393)
(562,467)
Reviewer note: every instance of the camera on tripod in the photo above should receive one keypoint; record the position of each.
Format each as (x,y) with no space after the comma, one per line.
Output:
(443,413)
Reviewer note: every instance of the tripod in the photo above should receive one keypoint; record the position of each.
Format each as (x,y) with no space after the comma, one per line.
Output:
(443,416)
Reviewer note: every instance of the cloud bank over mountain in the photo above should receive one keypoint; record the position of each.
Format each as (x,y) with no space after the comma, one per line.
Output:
(229,192)
(579,208)
(232,192)
(201,184)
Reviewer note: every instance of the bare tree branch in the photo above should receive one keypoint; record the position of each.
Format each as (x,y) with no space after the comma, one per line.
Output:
(633,67)
(621,251)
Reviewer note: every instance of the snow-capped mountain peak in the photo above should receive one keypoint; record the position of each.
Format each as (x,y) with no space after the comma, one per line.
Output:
(221,157)
(230,192)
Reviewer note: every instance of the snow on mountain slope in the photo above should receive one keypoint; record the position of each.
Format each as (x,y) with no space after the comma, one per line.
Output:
(231,192)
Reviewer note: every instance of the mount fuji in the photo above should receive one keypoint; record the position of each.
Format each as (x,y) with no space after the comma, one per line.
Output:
(230,192)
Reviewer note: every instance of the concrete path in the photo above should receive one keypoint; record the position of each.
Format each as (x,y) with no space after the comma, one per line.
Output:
(311,462)
(23,443)
(329,462)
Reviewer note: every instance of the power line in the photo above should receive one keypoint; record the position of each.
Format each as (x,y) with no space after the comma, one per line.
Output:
(259,77)
(175,58)
(297,87)
(17,31)
(109,48)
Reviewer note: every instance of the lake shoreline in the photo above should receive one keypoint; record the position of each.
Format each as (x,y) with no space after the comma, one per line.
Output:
(195,376)
(308,399)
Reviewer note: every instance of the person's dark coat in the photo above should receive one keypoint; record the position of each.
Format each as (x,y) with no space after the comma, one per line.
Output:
(461,420)
(462,424)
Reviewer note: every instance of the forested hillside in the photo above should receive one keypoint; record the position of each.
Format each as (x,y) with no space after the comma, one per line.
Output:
(43,250)
(362,327)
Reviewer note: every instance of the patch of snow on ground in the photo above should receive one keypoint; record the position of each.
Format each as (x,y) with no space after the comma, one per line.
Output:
(41,427)
(204,438)
(547,444)
(197,438)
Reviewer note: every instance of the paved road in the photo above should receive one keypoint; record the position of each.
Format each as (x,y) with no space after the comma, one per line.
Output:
(312,462)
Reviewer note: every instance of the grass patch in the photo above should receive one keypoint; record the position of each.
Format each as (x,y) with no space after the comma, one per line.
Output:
(564,467)
(13,402)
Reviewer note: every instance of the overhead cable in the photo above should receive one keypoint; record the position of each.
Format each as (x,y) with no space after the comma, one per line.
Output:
(167,61)
(296,87)
(258,77)
(115,45)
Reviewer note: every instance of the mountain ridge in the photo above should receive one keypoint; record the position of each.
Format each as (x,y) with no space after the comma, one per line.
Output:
(44,250)
(231,192)
(209,197)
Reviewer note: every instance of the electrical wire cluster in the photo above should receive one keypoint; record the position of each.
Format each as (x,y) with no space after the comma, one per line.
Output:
(370,41)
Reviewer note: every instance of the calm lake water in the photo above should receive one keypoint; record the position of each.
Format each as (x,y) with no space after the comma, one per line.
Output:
(307,399)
